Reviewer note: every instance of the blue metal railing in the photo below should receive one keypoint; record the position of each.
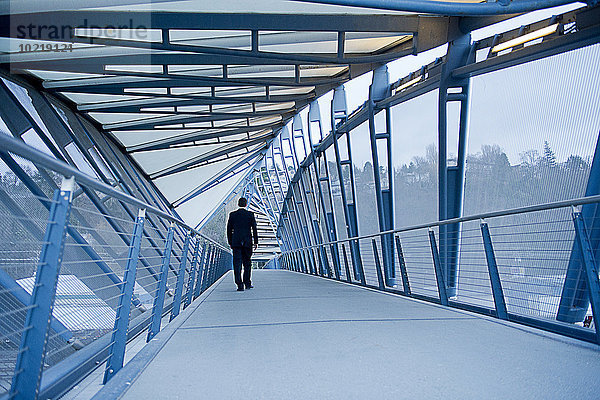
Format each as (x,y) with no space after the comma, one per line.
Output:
(78,282)
(512,264)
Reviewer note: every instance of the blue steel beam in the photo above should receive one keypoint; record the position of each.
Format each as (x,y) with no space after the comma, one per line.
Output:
(192,276)
(201,270)
(451,8)
(30,359)
(339,114)
(402,265)
(159,295)
(379,90)
(574,299)
(451,178)
(323,184)
(590,267)
(495,280)
(219,177)
(119,333)
(180,279)
(439,273)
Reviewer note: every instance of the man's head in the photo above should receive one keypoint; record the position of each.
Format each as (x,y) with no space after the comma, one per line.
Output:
(242,202)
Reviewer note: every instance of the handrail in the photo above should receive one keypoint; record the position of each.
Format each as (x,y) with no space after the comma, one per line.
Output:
(491,214)
(17,147)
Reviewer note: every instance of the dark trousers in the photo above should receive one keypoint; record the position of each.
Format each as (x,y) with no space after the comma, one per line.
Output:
(241,255)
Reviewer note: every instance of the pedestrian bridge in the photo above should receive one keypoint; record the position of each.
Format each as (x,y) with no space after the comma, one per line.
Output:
(425,177)
(296,336)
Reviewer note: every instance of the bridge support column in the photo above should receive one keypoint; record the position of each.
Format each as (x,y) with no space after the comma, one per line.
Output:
(380,89)
(451,178)
(339,113)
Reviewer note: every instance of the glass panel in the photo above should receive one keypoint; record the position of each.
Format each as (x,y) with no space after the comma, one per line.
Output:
(414,152)
(533,132)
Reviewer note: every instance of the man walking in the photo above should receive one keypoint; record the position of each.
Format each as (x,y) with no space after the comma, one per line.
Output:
(241,229)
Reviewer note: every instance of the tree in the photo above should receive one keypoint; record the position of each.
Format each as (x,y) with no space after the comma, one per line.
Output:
(549,157)
(576,163)
(529,157)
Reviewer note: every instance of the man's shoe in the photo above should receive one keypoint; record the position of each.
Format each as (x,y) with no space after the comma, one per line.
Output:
(240,289)
(249,286)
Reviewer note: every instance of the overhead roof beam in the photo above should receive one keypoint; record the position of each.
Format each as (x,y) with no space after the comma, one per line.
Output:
(405,48)
(116,84)
(195,136)
(196,161)
(210,183)
(217,21)
(136,105)
(149,123)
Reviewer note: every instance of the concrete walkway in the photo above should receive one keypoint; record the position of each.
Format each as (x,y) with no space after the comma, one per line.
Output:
(301,337)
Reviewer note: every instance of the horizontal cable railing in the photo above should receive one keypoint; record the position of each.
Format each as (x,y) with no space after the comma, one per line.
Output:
(519,264)
(78,281)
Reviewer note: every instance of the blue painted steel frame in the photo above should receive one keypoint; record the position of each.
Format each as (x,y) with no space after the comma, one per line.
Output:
(495,281)
(380,277)
(379,90)
(159,296)
(402,265)
(339,113)
(192,278)
(590,267)
(451,179)
(119,333)
(180,279)
(439,272)
(30,359)
(574,299)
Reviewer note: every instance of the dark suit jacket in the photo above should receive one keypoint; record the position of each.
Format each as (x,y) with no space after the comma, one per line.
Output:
(241,227)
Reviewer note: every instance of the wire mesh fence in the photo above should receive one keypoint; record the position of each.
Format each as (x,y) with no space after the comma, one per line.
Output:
(97,253)
(522,265)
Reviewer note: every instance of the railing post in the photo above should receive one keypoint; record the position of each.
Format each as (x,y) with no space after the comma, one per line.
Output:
(439,273)
(358,260)
(180,278)
(209,268)
(32,351)
(336,268)
(192,278)
(591,269)
(119,333)
(159,296)
(403,272)
(378,266)
(348,277)
(201,273)
(493,272)
(299,261)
